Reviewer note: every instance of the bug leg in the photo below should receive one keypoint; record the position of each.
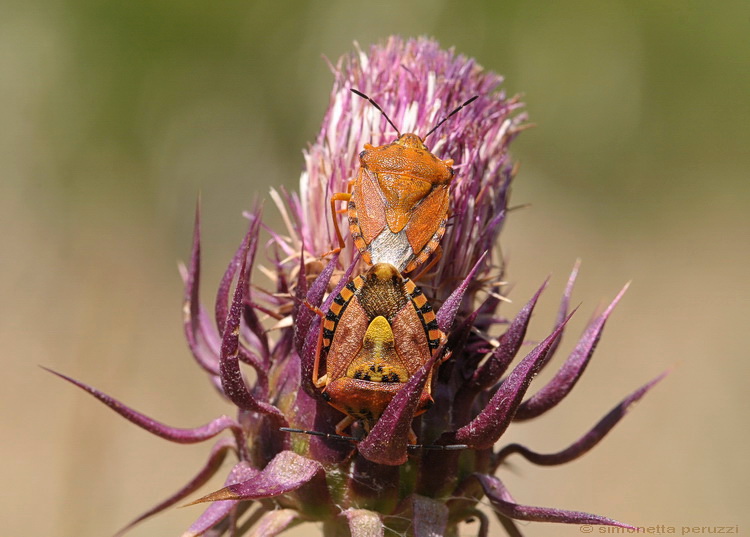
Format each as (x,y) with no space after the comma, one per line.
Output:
(338,196)
(438,255)
(317,311)
(343,424)
(344,197)
(341,196)
(442,350)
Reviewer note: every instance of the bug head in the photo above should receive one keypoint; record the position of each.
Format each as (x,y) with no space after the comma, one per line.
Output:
(412,141)
(383,272)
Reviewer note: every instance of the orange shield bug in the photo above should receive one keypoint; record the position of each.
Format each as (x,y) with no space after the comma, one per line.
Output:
(399,201)
(378,332)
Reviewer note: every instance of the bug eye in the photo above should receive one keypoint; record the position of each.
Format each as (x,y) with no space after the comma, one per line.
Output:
(362,154)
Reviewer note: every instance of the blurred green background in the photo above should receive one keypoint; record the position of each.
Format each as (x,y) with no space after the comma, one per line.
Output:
(115,114)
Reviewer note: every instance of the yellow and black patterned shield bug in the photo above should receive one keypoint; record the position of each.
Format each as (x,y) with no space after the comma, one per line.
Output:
(378,332)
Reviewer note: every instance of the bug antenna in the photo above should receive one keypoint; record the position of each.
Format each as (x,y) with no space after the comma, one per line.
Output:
(450,447)
(446,118)
(318,433)
(376,105)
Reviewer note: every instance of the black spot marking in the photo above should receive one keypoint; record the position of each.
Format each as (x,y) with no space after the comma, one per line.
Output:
(365,414)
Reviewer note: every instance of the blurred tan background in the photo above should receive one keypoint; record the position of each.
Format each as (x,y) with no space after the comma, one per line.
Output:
(115,114)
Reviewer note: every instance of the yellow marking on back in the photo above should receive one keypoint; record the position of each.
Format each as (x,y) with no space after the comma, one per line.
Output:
(375,361)
(379,334)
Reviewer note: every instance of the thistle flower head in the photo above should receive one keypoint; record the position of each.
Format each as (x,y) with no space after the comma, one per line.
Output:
(261,346)
(417,84)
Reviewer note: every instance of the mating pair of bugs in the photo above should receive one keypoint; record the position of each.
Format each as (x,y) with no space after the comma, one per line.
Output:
(380,330)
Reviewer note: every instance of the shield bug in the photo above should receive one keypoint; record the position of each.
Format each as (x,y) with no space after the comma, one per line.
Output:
(399,201)
(378,332)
